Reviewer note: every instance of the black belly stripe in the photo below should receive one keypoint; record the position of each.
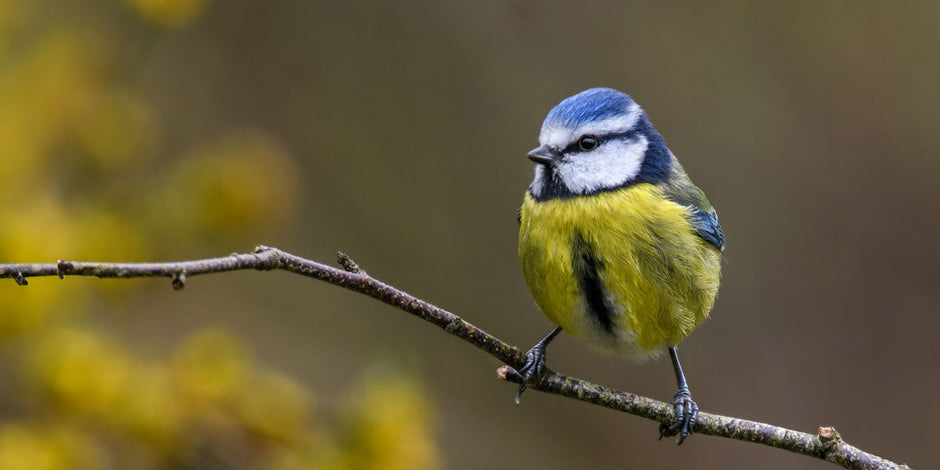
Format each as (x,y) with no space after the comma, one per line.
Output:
(587,269)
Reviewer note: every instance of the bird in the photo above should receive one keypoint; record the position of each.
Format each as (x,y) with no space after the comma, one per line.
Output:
(617,245)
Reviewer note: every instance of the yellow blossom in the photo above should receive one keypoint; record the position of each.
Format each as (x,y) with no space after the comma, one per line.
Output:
(275,407)
(168,13)
(82,371)
(211,365)
(389,428)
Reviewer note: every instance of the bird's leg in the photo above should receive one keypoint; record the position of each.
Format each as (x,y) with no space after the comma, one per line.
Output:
(686,409)
(534,363)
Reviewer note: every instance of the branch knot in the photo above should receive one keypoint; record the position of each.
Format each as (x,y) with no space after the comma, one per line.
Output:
(348,264)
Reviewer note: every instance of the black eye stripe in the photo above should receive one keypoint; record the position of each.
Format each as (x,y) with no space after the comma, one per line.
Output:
(575,146)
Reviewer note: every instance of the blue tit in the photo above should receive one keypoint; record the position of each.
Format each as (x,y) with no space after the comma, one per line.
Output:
(617,245)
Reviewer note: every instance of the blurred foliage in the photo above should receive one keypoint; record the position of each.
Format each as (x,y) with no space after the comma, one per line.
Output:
(375,437)
(168,13)
(81,180)
(97,405)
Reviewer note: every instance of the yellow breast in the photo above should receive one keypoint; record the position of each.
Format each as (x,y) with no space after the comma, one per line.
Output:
(622,270)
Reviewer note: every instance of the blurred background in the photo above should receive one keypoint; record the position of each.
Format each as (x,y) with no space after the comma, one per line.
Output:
(135,130)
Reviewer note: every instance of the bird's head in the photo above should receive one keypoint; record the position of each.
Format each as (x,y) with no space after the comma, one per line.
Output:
(598,140)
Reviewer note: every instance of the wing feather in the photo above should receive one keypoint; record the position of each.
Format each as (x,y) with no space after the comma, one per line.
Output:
(680,189)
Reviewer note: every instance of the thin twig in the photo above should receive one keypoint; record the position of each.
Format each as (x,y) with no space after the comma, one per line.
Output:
(826,445)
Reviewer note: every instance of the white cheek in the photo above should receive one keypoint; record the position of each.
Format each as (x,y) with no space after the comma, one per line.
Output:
(611,165)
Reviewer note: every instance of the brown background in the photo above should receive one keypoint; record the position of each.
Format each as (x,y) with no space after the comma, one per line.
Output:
(813,128)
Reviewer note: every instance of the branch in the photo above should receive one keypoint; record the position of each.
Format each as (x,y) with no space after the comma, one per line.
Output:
(826,444)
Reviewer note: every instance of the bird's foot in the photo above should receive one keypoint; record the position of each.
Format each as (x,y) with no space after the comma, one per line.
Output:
(686,415)
(531,372)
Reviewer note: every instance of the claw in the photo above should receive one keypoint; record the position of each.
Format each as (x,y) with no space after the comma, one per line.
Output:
(686,416)
(519,391)
(531,372)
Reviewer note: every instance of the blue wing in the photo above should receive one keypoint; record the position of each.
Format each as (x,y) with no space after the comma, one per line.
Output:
(706,226)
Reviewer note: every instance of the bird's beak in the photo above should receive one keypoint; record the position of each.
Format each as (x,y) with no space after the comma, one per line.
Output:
(543,155)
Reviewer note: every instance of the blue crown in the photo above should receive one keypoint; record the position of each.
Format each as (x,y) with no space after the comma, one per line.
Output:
(595,104)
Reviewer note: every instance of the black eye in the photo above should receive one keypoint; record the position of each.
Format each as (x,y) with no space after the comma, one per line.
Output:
(588,143)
